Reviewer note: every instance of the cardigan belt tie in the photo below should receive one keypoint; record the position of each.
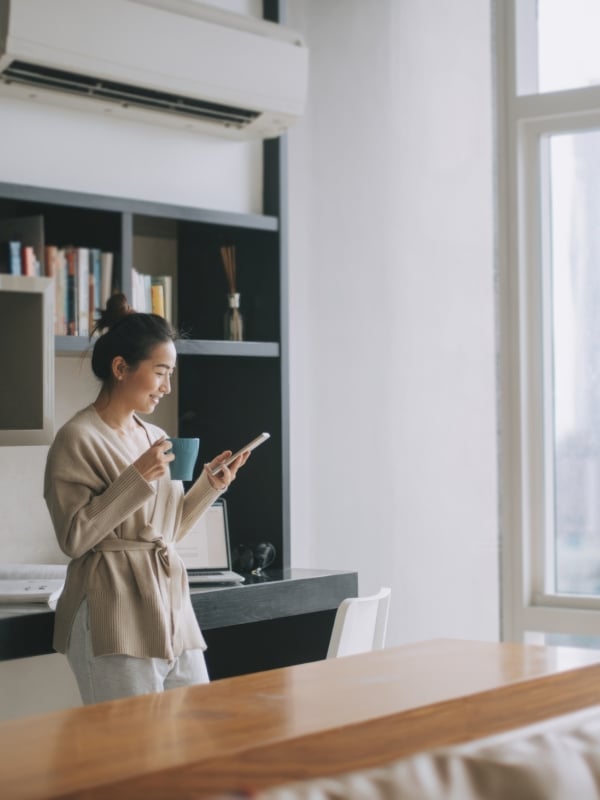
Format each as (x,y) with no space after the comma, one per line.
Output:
(166,558)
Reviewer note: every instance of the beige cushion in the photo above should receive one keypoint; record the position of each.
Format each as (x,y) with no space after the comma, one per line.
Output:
(555,760)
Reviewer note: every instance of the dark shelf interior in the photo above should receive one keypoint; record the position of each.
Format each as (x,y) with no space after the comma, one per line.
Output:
(203,287)
(226,402)
(68,225)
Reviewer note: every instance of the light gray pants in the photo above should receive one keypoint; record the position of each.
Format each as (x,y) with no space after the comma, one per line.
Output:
(111,677)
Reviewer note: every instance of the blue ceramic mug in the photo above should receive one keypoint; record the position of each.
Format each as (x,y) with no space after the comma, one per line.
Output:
(185,451)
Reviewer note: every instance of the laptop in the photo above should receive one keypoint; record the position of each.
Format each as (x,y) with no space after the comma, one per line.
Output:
(206,550)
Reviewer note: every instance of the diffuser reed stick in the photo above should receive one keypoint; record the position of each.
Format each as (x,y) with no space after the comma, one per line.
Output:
(234,324)
(229,265)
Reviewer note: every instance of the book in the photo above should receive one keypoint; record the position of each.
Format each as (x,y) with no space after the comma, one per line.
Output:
(28,261)
(83,291)
(51,267)
(61,293)
(10,257)
(141,291)
(15,258)
(95,285)
(31,583)
(137,290)
(106,277)
(51,260)
(71,292)
(147,293)
(29,231)
(166,282)
(158,298)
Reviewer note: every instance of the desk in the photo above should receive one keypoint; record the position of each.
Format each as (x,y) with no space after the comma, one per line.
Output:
(281,618)
(308,720)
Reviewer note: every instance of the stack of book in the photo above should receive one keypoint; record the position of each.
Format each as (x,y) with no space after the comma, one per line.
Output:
(152,294)
(22,246)
(83,279)
(83,276)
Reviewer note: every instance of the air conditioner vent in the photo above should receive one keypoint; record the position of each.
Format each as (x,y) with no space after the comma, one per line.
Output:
(189,65)
(27,74)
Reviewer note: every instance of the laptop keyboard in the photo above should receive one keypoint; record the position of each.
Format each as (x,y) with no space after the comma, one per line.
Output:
(204,572)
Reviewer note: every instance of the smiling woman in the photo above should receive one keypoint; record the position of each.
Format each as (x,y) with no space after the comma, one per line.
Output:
(125,619)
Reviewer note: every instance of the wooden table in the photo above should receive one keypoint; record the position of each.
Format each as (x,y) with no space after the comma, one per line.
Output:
(259,730)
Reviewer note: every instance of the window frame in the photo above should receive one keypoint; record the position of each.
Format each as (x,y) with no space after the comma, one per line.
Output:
(524,124)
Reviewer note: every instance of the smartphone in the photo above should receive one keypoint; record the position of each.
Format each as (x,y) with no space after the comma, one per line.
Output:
(250,446)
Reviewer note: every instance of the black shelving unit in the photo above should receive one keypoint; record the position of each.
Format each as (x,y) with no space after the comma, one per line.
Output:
(228,391)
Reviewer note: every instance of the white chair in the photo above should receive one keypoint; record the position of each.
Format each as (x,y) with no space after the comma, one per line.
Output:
(360,625)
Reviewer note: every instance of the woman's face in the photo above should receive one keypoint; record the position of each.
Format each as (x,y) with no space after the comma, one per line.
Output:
(145,385)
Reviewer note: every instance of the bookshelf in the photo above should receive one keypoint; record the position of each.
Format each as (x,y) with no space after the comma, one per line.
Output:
(228,391)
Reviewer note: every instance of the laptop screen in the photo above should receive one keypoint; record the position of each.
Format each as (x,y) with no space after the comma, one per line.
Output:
(206,545)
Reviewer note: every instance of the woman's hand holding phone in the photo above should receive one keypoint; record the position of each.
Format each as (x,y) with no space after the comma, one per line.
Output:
(234,456)
(226,465)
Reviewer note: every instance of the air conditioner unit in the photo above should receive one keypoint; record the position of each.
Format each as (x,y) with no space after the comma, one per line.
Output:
(179,62)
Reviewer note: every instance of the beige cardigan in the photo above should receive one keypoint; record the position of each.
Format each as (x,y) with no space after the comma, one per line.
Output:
(119,531)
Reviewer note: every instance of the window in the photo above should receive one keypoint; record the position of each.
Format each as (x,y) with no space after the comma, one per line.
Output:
(574,273)
(567,44)
(549,277)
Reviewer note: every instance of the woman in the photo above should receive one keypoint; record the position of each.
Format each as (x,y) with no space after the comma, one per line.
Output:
(125,618)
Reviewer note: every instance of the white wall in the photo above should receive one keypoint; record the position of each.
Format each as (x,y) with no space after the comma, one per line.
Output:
(393,390)
(391,306)
(91,153)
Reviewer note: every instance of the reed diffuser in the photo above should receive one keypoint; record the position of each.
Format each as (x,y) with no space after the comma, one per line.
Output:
(234,323)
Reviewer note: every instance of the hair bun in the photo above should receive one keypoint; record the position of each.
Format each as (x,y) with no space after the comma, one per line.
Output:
(117,308)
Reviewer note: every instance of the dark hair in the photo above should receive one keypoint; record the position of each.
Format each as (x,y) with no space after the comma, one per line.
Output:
(126,333)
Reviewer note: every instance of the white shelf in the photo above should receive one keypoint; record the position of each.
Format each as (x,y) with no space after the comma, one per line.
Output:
(76,345)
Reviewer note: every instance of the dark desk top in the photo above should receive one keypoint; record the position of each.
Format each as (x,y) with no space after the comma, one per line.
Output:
(26,630)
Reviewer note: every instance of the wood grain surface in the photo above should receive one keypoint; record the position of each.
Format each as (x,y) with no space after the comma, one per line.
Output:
(239,734)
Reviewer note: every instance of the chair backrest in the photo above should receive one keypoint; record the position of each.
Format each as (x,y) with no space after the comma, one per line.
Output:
(360,624)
